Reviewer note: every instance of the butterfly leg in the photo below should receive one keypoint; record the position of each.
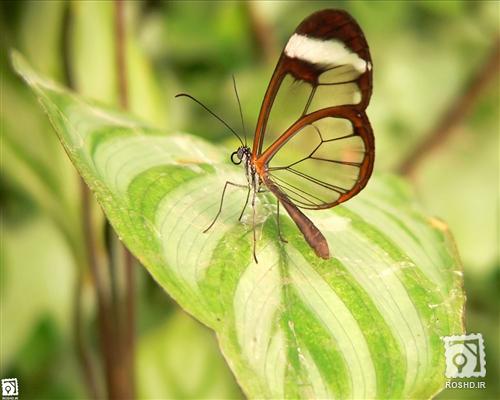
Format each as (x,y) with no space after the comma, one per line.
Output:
(222,201)
(278,222)
(246,203)
(253,226)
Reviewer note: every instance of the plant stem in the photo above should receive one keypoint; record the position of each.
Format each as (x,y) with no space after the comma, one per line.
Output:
(116,329)
(82,349)
(457,111)
(81,346)
(103,310)
(262,33)
(127,326)
(121,66)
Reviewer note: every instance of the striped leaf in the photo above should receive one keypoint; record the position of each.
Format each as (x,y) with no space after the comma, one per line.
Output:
(365,324)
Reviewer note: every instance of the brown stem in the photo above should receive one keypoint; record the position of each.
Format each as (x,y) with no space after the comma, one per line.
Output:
(117,354)
(103,310)
(121,66)
(127,314)
(82,349)
(455,114)
(129,322)
(262,33)
(81,346)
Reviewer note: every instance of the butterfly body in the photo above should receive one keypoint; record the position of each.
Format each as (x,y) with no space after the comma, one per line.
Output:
(255,178)
(244,155)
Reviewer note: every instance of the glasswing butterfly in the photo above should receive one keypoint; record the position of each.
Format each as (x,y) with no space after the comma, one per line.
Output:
(324,153)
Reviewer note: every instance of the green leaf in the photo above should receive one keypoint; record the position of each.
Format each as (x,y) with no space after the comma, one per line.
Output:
(365,324)
(176,346)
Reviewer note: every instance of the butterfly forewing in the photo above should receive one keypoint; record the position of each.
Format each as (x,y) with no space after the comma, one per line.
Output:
(289,104)
(313,140)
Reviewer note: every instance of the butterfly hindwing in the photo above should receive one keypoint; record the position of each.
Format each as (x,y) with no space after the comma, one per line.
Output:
(326,161)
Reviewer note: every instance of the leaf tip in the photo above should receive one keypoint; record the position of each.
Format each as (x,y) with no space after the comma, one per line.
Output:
(22,67)
(17,60)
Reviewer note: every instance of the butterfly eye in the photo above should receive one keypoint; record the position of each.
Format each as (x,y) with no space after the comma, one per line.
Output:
(238,159)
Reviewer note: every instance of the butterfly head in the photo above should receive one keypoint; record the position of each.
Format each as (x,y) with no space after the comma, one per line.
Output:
(242,154)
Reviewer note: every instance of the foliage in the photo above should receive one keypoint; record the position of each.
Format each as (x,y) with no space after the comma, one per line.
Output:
(423,54)
(292,325)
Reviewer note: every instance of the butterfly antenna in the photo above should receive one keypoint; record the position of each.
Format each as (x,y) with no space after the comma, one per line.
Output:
(211,112)
(241,111)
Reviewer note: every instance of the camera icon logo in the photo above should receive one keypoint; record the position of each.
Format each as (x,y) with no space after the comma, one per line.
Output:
(9,387)
(464,356)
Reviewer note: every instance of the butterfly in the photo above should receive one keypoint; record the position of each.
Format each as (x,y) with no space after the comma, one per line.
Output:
(322,153)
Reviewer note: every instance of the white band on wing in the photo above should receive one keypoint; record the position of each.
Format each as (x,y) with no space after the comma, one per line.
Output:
(325,52)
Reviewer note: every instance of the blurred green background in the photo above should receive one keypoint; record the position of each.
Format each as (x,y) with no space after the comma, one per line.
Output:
(424,55)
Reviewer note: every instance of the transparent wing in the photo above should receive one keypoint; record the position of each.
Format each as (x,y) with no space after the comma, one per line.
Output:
(324,162)
(313,140)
